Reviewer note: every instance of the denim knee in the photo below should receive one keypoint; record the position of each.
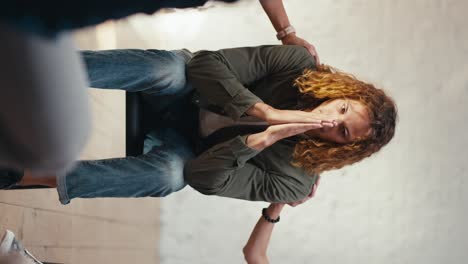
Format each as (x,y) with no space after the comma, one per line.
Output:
(176,182)
(169,79)
(170,177)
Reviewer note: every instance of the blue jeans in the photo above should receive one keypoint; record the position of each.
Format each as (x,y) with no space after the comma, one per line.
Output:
(160,76)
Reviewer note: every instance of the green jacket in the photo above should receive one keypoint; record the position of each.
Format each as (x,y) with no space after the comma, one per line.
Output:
(229,82)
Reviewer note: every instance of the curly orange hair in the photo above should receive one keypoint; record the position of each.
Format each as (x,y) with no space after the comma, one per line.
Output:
(326,83)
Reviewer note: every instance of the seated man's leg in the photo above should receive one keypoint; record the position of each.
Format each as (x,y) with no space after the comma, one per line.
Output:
(150,71)
(44,116)
(158,74)
(156,173)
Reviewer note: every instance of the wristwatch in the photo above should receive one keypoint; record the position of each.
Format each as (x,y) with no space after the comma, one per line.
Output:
(285,31)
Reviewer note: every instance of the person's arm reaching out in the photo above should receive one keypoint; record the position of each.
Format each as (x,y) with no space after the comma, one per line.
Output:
(279,18)
(255,251)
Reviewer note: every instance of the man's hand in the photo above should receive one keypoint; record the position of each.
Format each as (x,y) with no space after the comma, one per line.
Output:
(312,194)
(292,39)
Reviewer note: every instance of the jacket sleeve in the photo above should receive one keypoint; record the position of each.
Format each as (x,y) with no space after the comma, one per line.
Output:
(223,170)
(221,77)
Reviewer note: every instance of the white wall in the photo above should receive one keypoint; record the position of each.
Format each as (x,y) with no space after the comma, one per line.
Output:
(407,204)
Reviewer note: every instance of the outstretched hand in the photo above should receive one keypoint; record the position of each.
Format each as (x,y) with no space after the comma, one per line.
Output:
(292,39)
(312,194)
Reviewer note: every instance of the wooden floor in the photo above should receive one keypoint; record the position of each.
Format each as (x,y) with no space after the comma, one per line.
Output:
(88,231)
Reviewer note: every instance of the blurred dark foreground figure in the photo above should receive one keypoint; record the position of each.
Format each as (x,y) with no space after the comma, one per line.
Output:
(50,17)
(44,116)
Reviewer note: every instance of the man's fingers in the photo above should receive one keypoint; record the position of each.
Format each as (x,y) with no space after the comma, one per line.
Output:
(310,48)
(316,56)
(317,59)
(314,189)
(313,52)
(316,184)
(311,195)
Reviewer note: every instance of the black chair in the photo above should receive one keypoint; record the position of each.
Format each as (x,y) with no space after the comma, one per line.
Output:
(134,125)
